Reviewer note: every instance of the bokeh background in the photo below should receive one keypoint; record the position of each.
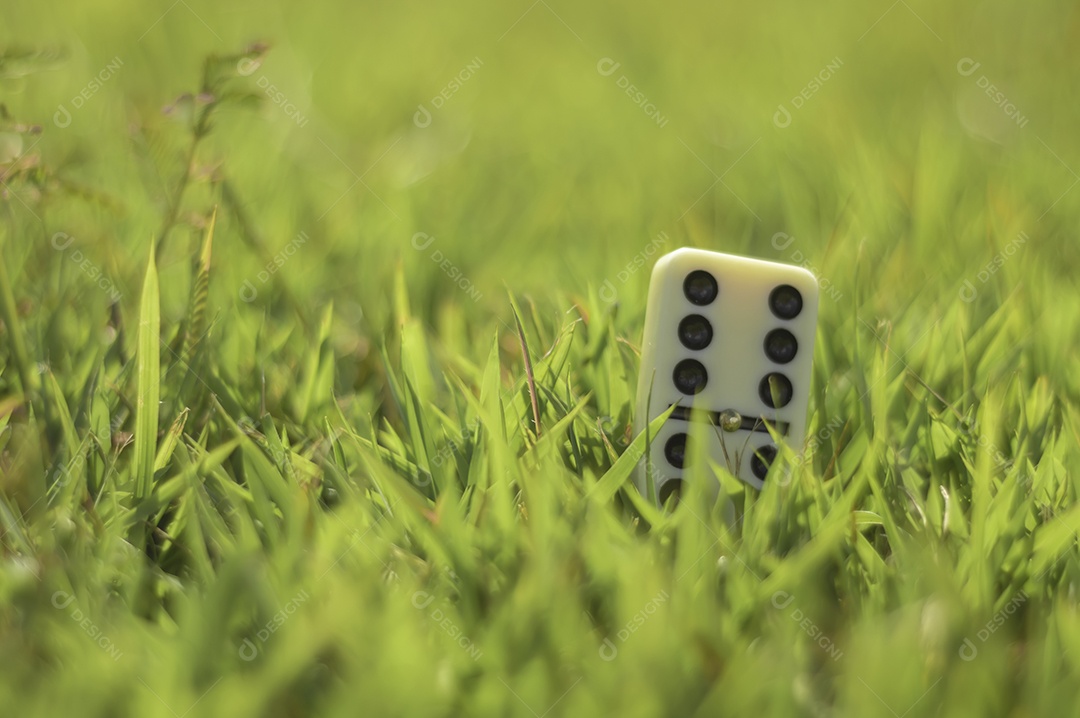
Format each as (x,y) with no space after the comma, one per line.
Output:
(540,172)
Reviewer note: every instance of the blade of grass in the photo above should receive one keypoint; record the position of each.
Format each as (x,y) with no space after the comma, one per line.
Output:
(196,323)
(147,375)
(10,314)
(620,471)
(530,378)
(168,446)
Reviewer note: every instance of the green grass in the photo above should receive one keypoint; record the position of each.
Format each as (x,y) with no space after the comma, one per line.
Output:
(352,444)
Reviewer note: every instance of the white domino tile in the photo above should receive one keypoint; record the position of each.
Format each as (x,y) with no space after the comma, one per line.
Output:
(716,326)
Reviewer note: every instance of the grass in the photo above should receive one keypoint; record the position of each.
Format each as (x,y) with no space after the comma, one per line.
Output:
(306,408)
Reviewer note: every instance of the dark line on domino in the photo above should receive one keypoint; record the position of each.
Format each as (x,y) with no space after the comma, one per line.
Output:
(682,413)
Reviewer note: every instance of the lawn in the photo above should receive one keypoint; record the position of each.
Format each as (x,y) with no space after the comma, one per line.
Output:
(319,341)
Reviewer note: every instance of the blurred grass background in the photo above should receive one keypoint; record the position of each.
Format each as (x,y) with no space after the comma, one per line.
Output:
(354,434)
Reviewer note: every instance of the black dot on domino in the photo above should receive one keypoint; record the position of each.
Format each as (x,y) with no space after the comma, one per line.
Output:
(675,450)
(762,460)
(695,332)
(670,488)
(690,376)
(700,287)
(785,301)
(775,390)
(781,346)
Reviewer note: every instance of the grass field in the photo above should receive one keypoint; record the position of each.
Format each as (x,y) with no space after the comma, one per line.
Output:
(283,460)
